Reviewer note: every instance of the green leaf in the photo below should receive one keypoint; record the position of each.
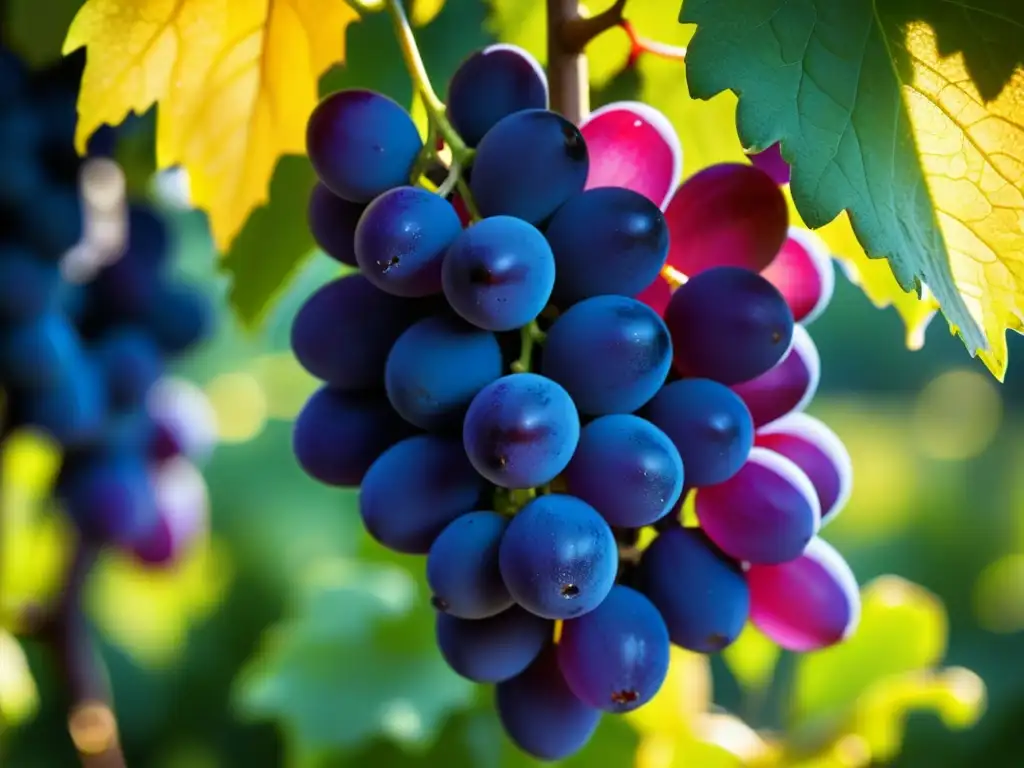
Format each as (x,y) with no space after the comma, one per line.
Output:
(37,33)
(909,115)
(355,662)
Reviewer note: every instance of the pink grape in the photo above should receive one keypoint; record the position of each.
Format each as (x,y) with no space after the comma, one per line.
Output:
(634,146)
(766,513)
(183,506)
(727,215)
(817,450)
(806,604)
(789,386)
(771,162)
(185,420)
(657,295)
(803,273)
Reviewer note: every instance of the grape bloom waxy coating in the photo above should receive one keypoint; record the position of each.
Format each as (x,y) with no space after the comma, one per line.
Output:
(523,394)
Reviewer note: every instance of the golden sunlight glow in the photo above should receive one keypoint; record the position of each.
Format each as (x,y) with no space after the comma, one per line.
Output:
(957,415)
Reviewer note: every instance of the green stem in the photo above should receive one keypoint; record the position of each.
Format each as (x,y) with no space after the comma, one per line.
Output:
(421,81)
(531,335)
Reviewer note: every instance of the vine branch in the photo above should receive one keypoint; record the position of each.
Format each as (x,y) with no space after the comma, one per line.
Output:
(576,32)
(567,65)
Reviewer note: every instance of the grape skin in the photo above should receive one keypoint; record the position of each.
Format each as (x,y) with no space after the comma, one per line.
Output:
(611,353)
(462,567)
(528,165)
(615,658)
(401,239)
(700,593)
(493,649)
(558,557)
(27,283)
(109,498)
(37,353)
(499,273)
(414,490)
(787,387)
(332,222)
(627,469)
(361,144)
(131,363)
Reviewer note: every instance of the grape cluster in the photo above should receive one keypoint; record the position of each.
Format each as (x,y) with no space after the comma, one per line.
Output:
(83,351)
(512,410)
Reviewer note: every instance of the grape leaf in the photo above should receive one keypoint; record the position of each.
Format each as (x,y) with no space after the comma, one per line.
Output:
(235,83)
(909,115)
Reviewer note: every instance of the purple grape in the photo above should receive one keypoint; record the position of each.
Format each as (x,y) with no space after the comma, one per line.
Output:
(806,604)
(415,489)
(764,514)
(729,325)
(558,557)
(771,162)
(109,498)
(521,430)
(627,469)
(494,649)
(185,423)
(700,593)
(615,658)
(462,567)
(183,510)
(818,451)
(332,222)
(787,387)
(803,273)
(401,240)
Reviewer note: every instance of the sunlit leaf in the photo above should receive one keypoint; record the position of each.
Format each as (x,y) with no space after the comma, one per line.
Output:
(19,698)
(235,82)
(898,115)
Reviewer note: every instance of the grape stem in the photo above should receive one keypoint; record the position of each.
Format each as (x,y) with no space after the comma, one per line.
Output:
(576,32)
(531,335)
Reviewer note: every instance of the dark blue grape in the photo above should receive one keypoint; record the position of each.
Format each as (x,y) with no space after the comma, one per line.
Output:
(521,430)
(123,291)
(491,84)
(28,285)
(22,181)
(709,425)
(728,324)
(541,715)
(72,410)
(611,353)
(338,435)
(12,76)
(607,240)
(528,165)
(148,239)
(462,567)
(131,363)
(558,557)
(616,657)
(37,353)
(700,593)
(499,273)
(415,489)
(401,240)
(109,498)
(361,143)
(52,224)
(494,649)
(436,368)
(627,469)
(332,222)
(343,332)
(180,317)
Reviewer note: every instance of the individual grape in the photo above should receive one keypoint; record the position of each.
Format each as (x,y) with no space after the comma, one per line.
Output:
(37,353)
(611,353)
(727,215)
(71,410)
(633,145)
(338,435)
(401,240)
(541,715)
(700,593)
(131,363)
(789,386)
(332,222)
(180,317)
(499,273)
(803,273)
(627,469)
(729,325)
(528,165)
(148,239)
(183,511)
(109,498)
(558,557)
(657,295)
(806,604)
(462,567)
(817,450)
(436,368)
(709,425)
(28,285)
(764,514)
(344,331)
(361,143)
(185,423)
(521,430)
(123,290)
(415,489)
(771,162)
(606,241)
(616,657)
(494,649)
(491,84)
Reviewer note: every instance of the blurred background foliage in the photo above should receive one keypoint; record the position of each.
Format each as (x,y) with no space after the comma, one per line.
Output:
(290,639)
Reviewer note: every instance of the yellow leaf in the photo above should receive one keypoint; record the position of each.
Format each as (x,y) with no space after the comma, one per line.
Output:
(235,81)
(752,658)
